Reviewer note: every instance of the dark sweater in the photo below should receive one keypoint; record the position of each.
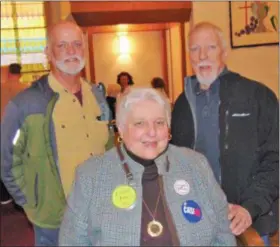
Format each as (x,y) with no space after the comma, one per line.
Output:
(112,105)
(151,190)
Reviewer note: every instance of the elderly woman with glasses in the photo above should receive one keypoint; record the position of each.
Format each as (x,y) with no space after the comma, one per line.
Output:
(144,191)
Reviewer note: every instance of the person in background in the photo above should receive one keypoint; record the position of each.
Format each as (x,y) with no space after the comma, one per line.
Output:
(11,86)
(159,84)
(102,88)
(48,130)
(113,92)
(150,193)
(9,89)
(124,79)
(234,122)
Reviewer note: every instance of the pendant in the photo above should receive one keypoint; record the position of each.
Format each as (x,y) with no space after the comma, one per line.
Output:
(154,228)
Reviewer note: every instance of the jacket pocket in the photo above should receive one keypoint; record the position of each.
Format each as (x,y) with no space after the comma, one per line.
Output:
(31,189)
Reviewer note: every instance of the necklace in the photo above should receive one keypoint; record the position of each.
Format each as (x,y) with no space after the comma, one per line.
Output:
(154,227)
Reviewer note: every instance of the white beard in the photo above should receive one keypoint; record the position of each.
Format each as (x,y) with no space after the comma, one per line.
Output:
(206,81)
(210,78)
(73,71)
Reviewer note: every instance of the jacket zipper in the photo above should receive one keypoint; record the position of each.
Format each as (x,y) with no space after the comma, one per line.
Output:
(225,142)
(49,112)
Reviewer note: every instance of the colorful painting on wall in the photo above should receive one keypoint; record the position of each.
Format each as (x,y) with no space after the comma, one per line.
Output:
(254,23)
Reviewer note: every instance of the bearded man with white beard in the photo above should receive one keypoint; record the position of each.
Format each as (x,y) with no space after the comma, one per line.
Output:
(48,130)
(233,121)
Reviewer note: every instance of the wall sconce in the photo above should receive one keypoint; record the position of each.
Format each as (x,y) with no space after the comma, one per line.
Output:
(123,44)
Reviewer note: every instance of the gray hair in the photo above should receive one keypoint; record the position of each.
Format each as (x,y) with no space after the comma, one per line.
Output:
(133,95)
(208,25)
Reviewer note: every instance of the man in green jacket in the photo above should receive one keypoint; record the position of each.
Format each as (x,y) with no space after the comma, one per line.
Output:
(48,130)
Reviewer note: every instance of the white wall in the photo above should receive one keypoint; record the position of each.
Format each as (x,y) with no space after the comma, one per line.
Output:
(144,63)
(87,66)
(258,63)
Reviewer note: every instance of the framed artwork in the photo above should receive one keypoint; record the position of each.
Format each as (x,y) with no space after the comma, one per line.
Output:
(254,23)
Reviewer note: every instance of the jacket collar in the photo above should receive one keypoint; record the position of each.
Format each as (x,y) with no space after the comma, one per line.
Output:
(43,85)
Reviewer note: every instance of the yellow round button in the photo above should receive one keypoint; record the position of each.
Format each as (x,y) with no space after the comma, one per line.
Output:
(124,196)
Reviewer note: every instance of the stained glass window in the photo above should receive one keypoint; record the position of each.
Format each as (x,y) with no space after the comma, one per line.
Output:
(23,37)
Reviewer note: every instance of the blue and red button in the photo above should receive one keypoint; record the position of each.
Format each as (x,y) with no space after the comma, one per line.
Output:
(191,211)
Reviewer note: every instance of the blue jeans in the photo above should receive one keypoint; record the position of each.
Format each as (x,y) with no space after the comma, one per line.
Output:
(265,239)
(46,236)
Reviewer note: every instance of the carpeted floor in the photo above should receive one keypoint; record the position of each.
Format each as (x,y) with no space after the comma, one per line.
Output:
(15,228)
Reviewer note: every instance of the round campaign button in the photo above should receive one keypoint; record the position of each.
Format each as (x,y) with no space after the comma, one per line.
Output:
(124,197)
(182,187)
(191,211)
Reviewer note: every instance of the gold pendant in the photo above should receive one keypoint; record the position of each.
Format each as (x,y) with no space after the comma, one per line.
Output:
(154,228)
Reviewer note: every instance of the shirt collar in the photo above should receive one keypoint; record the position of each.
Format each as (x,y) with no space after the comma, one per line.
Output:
(56,86)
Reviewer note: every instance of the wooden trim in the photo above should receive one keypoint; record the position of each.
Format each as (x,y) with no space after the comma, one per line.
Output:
(87,19)
(164,60)
(250,238)
(47,11)
(91,57)
(183,46)
(171,65)
(111,6)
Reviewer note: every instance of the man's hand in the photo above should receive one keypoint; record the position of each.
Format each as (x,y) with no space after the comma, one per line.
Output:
(240,219)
